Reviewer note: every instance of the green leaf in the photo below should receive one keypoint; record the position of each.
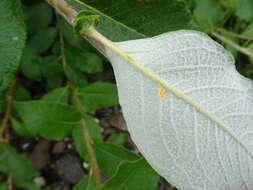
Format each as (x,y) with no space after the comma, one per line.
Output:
(3,186)
(12,39)
(98,94)
(85,62)
(118,138)
(127,20)
(43,39)
(21,93)
(53,121)
(78,135)
(208,14)
(39,16)
(73,58)
(21,129)
(248,31)
(110,155)
(230,48)
(31,64)
(87,183)
(58,95)
(3,101)
(136,175)
(250,47)
(17,166)
(74,75)
(92,63)
(52,70)
(243,9)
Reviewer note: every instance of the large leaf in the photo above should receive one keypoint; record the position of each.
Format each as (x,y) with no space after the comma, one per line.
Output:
(12,39)
(18,167)
(187,109)
(125,20)
(137,175)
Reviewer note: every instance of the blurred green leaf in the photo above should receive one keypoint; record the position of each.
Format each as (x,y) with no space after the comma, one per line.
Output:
(51,66)
(250,47)
(3,186)
(53,121)
(110,155)
(21,93)
(230,48)
(43,39)
(117,138)
(74,75)
(78,135)
(135,175)
(85,62)
(248,31)
(31,64)
(12,39)
(88,183)
(52,70)
(92,63)
(243,9)
(17,166)
(73,58)
(39,16)
(127,20)
(3,101)
(58,95)
(208,14)
(21,129)
(98,94)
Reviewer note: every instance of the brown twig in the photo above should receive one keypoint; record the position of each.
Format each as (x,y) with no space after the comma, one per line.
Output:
(10,183)
(4,131)
(94,169)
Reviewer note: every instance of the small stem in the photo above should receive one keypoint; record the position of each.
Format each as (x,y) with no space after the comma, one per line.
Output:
(241,36)
(10,183)
(92,158)
(232,44)
(64,9)
(94,169)
(4,131)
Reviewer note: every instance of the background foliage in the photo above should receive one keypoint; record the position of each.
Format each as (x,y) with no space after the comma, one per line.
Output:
(55,89)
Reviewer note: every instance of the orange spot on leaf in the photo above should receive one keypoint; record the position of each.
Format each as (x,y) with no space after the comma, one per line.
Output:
(162,92)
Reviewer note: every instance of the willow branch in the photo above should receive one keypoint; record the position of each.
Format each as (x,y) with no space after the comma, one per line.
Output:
(233,44)
(240,36)
(94,169)
(7,116)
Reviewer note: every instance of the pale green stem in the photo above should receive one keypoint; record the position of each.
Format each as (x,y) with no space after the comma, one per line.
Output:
(233,44)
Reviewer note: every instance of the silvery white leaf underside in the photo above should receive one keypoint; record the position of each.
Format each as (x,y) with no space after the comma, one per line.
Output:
(203,141)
